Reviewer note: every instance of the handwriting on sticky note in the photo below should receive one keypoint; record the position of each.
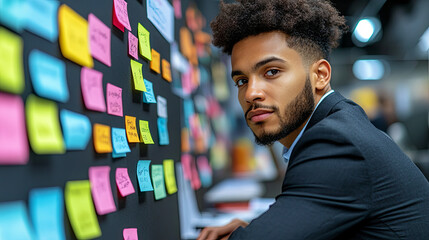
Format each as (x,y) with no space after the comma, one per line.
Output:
(170,178)
(166,72)
(44,130)
(130,125)
(92,89)
(102,139)
(133,46)
(143,175)
(99,177)
(76,129)
(136,69)
(144,42)
(148,96)
(11,66)
(160,13)
(114,100)
(14,221)
(130,234)
(120,15)
(155,62)
(123,182)
(145,132)
(99,40)
(80,209)
(158,181)
(163,131)
(74,40)
(161,106)
(119,140)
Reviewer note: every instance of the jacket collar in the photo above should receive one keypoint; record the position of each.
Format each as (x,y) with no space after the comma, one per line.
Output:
(324,108)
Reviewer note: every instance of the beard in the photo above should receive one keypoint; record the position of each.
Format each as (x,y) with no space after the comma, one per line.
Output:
(295,114)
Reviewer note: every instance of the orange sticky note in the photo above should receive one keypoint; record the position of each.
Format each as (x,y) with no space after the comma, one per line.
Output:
(74,39)
(130,125)
(186,42)
(166,72)
(102,138)
(155,63)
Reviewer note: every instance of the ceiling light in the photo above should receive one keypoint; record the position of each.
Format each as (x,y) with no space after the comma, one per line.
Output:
(366,31)
(368,69)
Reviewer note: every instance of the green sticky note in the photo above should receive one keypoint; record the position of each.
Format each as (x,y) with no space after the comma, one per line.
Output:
(136,69)
(158,181)
(170,179)
(43,125)
(80,209)
(11,66)
(146,137)
(144,42)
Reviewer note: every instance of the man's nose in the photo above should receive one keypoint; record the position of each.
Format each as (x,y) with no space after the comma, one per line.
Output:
(254,90)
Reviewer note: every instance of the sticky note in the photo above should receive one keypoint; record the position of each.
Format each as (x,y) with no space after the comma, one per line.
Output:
(166,71)
(144,42)
(12,14)
(186,42)
(133,42)
(136,69)
(195,178)
(99,40)
(48,76)
(92,89)
(163,131)
(143,175)
(186,160)
(46,207)
(160,13)
(170,178)
(11,65)
(161,106)
(74,39)
(119,140)
(102,139)
(41,18)
(13,135)
(145,132)
(44,130)
(123,182)
(76,129)
(185,143)
(130,125)
(118,155)
(14,222)
(158,181)
(155,64)
(130,234)
(205,171)
(114,100)
(99,177)
(148,96)
(80,210)
(177,5)
(187,82)
(120,15)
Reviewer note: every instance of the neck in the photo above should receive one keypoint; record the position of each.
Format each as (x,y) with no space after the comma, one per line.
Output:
(289,139)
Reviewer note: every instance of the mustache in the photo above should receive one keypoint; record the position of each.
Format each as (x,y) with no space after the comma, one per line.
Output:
(258,105)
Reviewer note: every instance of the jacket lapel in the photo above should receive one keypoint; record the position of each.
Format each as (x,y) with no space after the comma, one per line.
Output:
(324,108)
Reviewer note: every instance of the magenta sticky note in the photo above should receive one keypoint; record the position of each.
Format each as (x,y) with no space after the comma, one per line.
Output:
(186,165)
(13,135)
(133,42)
(130,234)
(101,190)
(177,5)
(195,178)
(123,182)
(99,40)
(114,100)
(92,89)
(120,15)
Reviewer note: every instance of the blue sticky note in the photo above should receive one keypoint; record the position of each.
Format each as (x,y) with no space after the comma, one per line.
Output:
(118,155)
(143,176)
(119,141)
(42,18)
(76,129)
(14,222)
(48,75)
(148,96)
(188,109)
(47,213)
(163,131)
(13,14)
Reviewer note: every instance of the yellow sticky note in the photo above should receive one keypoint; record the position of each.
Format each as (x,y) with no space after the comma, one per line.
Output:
(130,125)
(144,42)
(145,132)
(11,67)
(80,209)
(166,72)
(102,138)
(170,178)
(136,69)
(74,39)
(43,125)
(155,62)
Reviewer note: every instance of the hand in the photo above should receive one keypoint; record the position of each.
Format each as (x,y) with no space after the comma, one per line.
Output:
(222,232)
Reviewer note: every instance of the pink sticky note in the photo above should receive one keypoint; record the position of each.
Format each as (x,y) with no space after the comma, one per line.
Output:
(186,165)
(187,82)
(203,164)
(133,45)
(130,234)
(92,89)
(101,191)
(99,40)
(13,136)
(195,178)
(177,5)
(123,182)
(114,100)
(120,15)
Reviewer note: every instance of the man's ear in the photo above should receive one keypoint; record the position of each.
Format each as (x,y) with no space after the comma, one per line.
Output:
(321,73)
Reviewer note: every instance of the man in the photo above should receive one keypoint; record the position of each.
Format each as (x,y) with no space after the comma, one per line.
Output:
(345,178)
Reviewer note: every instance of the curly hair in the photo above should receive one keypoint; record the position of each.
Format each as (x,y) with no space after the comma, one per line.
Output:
(313,27)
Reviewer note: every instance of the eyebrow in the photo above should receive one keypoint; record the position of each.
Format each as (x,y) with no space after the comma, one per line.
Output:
(258,65)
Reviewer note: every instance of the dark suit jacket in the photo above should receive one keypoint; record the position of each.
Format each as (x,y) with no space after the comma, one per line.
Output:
(345,180)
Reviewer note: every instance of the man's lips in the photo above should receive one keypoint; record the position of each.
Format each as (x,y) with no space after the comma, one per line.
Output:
(258,115)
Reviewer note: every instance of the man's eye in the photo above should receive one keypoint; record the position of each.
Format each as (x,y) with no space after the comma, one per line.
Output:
(272,72)
(240,82)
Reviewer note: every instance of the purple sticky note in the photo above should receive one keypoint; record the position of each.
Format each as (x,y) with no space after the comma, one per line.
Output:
(99,40)
(101,191)
(13,136)
(114,100)
(133,42)
(130,234)
(123,182)
(92,89)
(120,15)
